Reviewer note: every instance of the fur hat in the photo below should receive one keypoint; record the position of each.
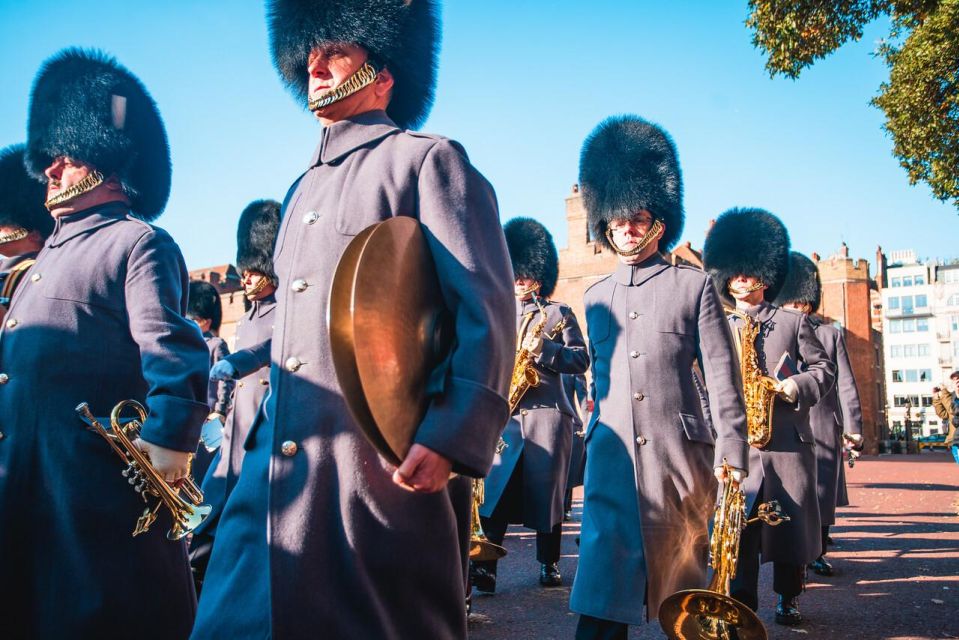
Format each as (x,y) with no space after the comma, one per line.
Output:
(256,236)
(752,242)
(802,283)
(404,35)
(22,197)
(533,253)
(627,165)
(205,303)
(87,106)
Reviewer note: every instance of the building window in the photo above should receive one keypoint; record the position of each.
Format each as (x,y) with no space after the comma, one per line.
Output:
(925,375)
(907,305)
(927,401)
(923,350)
(919,280)
(895,326)
(909,326)
(954,323)
(893,302)
(953,300)
(895,351)
(911,375)
(895,282)
(955,349)
(896,375)
(950,275)
(907,281)
(921,301)
(922,324)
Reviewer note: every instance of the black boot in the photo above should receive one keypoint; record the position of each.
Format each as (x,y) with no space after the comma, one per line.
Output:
(787,611)
(482,578)
(549,575)
(821,567)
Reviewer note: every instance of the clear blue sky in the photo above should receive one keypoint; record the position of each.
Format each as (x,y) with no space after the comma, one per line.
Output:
(521,84)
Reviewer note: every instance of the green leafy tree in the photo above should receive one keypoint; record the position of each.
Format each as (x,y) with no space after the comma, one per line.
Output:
(921,97)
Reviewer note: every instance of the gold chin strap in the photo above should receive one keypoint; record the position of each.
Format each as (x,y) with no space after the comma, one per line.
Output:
(525,292)
(255,291)
(655,232)
(13,236)
(363,76)
(91,182)
(755,287)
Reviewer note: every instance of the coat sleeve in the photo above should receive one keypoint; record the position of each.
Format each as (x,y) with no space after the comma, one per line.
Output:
(820,372)
(173,356)
(847,391)
(724,386)
(458,210)
(254,358)
(224,388)
(942,403)
(581,393)
(567,353)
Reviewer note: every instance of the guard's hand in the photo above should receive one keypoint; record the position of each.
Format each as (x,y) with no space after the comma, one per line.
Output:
(533,343)
(590,405)
(172,465)
(423,471)
(216,416)
(736,474)
(852,441)
(223,370)
(788,390)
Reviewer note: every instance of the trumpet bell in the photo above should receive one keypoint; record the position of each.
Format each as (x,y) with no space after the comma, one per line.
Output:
(699,614)
(482,550)
(192,518)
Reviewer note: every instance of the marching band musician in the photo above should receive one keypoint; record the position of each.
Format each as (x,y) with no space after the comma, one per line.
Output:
(256,236)
(747,254)
(206,310)
(100,320)
(321,534)
(527,484)
(651,458)
(838,412)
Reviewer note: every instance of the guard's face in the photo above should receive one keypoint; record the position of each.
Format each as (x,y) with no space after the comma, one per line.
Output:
(256,285)
(329,67)
(743,287)
(523,288)
(65,172)
(627,234)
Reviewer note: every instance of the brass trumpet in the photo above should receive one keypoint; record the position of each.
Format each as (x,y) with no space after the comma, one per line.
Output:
(187,510)
(711,613)
(481,549)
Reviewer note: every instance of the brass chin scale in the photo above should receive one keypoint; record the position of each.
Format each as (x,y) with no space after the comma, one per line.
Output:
(89,183)
(362,77)
(655,232)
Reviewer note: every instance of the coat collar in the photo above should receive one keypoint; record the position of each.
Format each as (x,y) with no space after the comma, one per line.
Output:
(68,227)
(761,312)
(341,138)
(263,306)
(633,275)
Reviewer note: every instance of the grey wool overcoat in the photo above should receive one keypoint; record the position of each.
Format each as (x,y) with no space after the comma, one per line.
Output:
(786,469)
(837,412)
(578,393)
(316,539)
(541,428)
(99,320)
(649,486)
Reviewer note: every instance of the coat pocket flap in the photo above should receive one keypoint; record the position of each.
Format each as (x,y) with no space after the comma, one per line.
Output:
(696,430)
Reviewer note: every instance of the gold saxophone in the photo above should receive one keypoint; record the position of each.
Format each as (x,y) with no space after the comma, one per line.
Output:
(187,510)
(525,374)
(759,390)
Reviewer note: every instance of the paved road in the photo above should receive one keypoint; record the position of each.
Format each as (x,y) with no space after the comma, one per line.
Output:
(897,561)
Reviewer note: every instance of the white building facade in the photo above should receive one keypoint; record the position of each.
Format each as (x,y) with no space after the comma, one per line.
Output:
(920,309)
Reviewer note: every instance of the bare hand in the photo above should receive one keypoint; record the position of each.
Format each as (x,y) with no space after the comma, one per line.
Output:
(172,465)
(737,474)
(423,471)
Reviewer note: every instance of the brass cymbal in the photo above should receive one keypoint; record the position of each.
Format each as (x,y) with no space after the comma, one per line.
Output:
(482,550)
(389,330)
(699,614)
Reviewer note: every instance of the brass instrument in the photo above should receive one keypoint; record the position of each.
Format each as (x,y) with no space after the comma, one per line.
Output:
(187,510)
(10,280)
(711,613)
(525,374)
(852,454)
(481,549)
(759,391)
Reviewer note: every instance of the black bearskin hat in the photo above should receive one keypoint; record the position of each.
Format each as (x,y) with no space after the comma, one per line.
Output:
(802,283)
(533,253)
(255,237)
(751,242)
(627,165)
(402,34)
(22,197)
(205,303)
(87,106)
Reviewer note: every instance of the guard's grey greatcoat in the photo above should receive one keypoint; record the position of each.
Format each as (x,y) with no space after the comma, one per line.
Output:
(786,468)
(316,538)
(255,327)
(98,320)
(837,412)
(649,486)
(541,427)
(578,395)
(218,400)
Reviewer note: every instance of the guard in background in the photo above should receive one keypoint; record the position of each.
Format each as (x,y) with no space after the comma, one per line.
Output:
(255,239)
(651,458)
(206,310)
(747,254)
(577,392)
(527,484)
(321,535)
(100,319)
(836,420)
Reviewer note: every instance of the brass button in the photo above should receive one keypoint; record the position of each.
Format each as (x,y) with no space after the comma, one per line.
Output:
(299,285)
(11,323)
(638,396)
(293,364)
(311,217)
(641,440)
(524,412)
(2,436)
(264,381)
(35,277)
(289,448)
(4,378)
(633,315)
(634,354)
(240,383)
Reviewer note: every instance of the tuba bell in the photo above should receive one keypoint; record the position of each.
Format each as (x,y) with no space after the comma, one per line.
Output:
(186,509)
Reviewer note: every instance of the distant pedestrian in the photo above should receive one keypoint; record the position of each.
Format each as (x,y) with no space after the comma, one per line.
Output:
(946,404)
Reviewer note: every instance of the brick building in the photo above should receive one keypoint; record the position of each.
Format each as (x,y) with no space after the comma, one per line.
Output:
(227,281)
